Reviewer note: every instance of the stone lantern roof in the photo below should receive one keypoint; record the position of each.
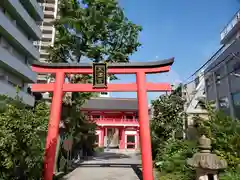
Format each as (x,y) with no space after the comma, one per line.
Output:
(204,159)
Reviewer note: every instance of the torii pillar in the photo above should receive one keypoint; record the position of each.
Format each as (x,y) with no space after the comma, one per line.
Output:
(140,69)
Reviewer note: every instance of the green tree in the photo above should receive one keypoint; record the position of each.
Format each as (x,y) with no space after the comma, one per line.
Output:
(168,118)
(22,138)
(170,151)
(94,29)
(90,30)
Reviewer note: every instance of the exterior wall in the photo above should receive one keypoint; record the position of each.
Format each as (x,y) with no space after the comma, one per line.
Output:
(18,30)
(222,77)
(222,80)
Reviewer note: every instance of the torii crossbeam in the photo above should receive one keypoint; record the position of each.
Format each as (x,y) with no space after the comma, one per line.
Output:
(141,87)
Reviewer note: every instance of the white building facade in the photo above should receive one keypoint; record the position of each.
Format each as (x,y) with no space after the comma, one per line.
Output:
(50,9)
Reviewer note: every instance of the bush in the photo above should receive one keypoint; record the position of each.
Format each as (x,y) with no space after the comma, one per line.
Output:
(171,160)
(225,135)
(22,134)
(170,154)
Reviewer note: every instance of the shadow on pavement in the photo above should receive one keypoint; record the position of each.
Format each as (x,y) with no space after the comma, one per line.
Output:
(135,167)
(103,156)
(110,155)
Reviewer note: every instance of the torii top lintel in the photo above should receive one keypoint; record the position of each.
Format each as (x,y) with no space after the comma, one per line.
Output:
(113,68)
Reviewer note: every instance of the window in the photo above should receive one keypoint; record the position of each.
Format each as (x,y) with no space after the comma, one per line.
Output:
(223,102)
(224,105)
(218,78)
(130,141)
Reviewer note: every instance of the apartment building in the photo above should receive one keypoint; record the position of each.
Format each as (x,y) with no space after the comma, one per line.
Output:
(18,30)
(50,9)
(222,74)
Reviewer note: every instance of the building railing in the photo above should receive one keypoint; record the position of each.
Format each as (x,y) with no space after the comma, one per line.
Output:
(115,120)
(230,25)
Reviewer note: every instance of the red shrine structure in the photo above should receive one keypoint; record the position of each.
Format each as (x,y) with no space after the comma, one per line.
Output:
(61,70)
(117,121)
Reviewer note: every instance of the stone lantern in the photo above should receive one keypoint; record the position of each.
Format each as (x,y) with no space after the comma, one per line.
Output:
(207,164)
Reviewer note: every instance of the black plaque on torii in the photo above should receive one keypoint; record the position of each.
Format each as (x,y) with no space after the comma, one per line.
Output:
(99,75)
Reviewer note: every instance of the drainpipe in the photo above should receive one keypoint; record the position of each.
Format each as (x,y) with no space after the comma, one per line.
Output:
(215,90)
(230,101)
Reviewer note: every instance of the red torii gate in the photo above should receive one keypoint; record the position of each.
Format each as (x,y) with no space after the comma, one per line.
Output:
(141,86)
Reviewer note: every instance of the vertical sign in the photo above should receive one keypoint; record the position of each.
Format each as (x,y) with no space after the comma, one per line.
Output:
(99,75)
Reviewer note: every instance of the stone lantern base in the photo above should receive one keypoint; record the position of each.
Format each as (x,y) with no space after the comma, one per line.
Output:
(206,174)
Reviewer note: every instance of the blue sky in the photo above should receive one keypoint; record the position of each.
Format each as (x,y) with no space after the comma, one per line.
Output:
(188,30)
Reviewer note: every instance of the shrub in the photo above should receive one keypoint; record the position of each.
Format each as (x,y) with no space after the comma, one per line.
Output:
(22,134)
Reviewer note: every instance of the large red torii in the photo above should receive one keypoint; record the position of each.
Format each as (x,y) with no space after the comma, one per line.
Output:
(141,87)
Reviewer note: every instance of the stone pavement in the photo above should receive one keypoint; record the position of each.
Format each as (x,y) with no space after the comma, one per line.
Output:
(109,166)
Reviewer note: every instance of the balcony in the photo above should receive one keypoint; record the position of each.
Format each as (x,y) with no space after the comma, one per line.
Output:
(15,65)
(9,30)
(17,11)
(49,21)
(47,37)
(34,9)
(116,121)
(10,91)
(231,29)
(50,5)
(48,29)
(49,14)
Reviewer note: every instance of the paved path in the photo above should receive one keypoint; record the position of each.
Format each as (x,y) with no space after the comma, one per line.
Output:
(109,166)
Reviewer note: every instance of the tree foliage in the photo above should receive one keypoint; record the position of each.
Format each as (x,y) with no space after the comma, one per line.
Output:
(224,133)
(89,30)
(170,153)
(94,29)
(167,121)
(22,135)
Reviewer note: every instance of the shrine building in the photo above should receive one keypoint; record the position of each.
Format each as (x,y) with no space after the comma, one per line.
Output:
(117,121)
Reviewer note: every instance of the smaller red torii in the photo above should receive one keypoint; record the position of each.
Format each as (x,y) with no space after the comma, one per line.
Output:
(140,69)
